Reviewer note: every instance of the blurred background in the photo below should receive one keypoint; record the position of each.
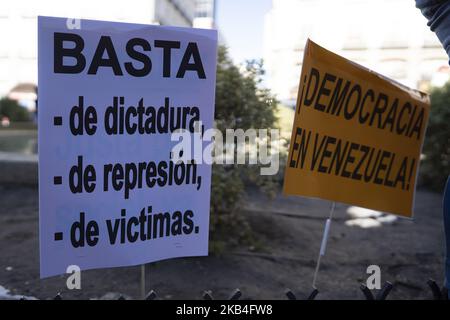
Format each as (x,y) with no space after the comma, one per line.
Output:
(388,36)
(261,241)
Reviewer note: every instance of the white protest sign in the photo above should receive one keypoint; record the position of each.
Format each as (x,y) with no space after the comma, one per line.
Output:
(110,95)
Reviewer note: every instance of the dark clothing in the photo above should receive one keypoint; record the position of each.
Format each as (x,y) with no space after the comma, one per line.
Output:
(438,14)
(447,233)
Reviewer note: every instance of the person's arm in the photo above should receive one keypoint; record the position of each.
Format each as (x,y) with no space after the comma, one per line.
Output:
(438,14)
(446,210)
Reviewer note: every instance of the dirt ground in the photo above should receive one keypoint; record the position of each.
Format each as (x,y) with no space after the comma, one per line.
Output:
(289,233)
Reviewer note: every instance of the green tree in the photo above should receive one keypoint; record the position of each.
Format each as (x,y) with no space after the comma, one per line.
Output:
(240,103)
(435,167)
(11,109)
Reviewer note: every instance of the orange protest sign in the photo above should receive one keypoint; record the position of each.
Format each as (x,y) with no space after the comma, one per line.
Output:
(357,135)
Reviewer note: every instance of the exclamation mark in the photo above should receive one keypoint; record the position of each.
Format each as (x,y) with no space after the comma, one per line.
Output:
(299,102)
(411,170)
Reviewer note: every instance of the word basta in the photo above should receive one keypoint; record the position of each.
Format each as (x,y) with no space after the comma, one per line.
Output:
(71,45)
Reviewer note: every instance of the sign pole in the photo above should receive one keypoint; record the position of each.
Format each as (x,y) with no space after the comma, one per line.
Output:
(323,245)
(143,281)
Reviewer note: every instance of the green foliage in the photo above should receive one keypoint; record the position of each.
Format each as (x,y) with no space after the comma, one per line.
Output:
(11,109)
(436,166)
(240,103)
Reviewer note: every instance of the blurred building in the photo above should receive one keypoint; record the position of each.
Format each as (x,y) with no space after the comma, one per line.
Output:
(18,37)
(387,36)
(205,14)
